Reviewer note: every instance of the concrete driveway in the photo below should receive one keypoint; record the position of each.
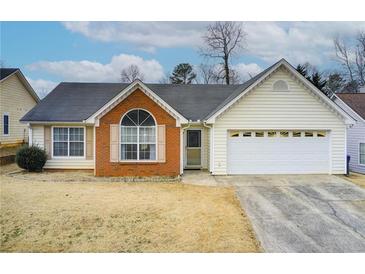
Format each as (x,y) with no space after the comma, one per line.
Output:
(310,213)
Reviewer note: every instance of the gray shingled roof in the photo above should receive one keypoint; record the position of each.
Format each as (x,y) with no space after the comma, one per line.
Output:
(75,102)
(5,72)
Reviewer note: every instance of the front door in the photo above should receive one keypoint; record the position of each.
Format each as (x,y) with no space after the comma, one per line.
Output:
(193,148)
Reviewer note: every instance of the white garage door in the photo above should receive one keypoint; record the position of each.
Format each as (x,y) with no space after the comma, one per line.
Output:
(278,152)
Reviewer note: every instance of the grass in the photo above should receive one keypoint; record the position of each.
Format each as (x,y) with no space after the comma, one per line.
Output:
(356,178)
(71,216)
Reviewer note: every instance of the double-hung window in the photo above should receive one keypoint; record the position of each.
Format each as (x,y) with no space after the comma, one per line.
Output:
(362,154)
(68,141)
(138,136)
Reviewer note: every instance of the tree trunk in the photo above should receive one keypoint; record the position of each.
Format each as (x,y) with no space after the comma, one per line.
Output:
(226,69)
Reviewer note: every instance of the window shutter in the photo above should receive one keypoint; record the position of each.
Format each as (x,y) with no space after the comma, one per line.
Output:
(48,141)
(89,143)
(161,143)
(114,143)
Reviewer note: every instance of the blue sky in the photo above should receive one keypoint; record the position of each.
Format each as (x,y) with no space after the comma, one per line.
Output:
(50,52)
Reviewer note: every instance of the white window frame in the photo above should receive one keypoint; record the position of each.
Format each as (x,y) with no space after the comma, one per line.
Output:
(360,154)
(68,143)
(137,143)
(6,114)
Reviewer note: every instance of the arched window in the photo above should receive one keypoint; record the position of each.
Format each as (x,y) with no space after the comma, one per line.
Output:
(138,136)
(280,85)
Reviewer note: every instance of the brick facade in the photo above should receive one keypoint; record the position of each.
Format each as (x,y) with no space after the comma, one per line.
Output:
(103,166)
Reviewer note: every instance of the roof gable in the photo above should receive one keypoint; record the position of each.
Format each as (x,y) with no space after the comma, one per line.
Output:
(5,73)
(137,84)
(266,73)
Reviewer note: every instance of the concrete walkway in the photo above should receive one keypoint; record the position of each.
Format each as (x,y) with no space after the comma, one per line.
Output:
(311,213)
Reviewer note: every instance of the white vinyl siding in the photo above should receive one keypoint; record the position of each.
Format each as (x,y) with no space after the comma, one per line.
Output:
(16,101)
(296,109)
(69,164)
(355,136)
(38,136)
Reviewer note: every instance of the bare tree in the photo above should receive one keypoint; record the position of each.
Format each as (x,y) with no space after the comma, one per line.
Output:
(131,73)
(360,58)
(222,41)
(343,55)
(206,74)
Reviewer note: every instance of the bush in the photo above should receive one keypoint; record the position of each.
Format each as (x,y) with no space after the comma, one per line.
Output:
(31,158)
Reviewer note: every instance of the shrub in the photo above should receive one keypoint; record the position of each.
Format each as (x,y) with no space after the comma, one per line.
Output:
(31,158)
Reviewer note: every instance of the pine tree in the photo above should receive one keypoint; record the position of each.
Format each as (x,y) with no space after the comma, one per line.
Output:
(183,74)
(316,79)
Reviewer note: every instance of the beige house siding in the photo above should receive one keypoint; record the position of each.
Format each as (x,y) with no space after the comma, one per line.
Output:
(41,136)
(16,101)
(264,108)
(38,136)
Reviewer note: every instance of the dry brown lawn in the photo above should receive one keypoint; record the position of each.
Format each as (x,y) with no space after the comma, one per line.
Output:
(356,178)
(100,216)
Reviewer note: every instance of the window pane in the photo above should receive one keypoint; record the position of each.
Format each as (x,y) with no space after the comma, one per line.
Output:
(60,149)
(76,148)
(284,134)
(362,148)
(259,134)
(147,135)
(193,138)
(142,117)
(129,134)
(60,134)
(271,134)
(321,134)
(297,133)
(127,121)
(234,134)
(128,152)
(362,159)
(76,134)
(308,134)
(147,152)
(6,124)
(246,134)
(133,115)
(148,122)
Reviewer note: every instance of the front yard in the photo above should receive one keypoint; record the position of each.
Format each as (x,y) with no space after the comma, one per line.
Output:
(63,215)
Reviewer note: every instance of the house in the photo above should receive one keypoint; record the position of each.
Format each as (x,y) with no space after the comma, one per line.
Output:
(17,97)
(275,123)
(354,104)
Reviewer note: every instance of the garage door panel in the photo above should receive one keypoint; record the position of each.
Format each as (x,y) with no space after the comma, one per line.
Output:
(288,155)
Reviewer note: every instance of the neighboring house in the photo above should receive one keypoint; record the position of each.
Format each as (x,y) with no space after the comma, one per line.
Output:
(275,123)
(17,97)
(354,104)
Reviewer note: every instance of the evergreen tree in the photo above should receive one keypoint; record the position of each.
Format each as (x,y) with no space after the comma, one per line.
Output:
(311,74)
(183,74)
(302,70)
(316,79)
(335,83)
